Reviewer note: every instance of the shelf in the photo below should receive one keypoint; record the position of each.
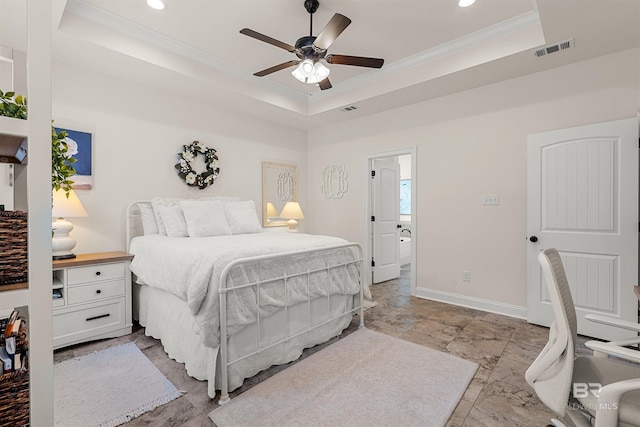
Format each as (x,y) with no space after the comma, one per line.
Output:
(14,298)
(12,135)
(57,284)
(16,128)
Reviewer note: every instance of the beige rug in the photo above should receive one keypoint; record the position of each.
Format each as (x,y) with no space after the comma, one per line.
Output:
(108,388)
(364,379)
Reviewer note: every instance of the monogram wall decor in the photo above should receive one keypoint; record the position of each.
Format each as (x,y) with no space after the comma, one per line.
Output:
(334,181)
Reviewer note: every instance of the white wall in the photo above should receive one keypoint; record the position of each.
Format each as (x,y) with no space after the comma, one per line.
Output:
(470,144)
(137,134)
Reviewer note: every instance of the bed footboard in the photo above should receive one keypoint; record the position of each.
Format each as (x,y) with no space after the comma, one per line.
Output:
(294,281)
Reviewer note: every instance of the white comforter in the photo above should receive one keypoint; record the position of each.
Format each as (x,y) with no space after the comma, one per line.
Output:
(190,268)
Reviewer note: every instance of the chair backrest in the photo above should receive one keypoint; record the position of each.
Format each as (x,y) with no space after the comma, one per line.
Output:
(559,284)
(551,373)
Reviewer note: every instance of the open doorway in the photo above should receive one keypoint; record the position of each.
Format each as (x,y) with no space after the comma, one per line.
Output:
(392,232)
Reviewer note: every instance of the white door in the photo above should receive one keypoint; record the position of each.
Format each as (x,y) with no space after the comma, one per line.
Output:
(386,213)
(6,186)
(582,199)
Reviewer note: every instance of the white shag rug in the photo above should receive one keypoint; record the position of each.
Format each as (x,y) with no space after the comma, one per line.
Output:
(364,379)
(108,388)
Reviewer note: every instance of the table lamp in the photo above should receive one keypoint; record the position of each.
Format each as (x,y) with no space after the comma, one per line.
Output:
(64,207)
(292,211)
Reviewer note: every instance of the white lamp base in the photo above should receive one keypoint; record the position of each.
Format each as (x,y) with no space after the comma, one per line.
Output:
(293,225)
(61,243)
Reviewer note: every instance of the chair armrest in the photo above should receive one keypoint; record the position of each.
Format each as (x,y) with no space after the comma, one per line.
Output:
(609,401)
(614,350)
(610,321)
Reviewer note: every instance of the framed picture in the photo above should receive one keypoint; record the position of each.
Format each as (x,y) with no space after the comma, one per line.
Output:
(80,148)
(405,197)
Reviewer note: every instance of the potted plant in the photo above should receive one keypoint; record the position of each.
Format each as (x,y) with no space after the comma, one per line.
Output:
(61,163)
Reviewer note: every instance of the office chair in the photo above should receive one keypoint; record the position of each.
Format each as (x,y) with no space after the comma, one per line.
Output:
(581,391)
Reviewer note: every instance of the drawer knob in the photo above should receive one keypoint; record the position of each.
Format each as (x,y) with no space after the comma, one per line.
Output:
(97,273)
(98,291)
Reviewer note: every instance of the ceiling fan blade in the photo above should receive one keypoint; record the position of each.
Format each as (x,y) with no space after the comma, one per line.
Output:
(358,61)
(331,31)
(276,68)
(267,39)
(325,84)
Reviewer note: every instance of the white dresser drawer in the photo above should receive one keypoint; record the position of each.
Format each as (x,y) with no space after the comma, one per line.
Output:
(93,273)
(95,291)
(82,323)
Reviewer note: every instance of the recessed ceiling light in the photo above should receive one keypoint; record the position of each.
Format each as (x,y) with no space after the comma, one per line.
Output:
(156,4)
(466,3)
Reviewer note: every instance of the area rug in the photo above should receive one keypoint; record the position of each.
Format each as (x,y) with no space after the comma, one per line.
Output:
(364,379)
(108,388)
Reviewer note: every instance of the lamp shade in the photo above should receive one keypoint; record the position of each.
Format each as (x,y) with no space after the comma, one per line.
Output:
(67,207)
(292,210)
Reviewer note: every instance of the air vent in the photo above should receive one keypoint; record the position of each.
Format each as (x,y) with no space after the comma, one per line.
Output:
(349,108)
(553,48)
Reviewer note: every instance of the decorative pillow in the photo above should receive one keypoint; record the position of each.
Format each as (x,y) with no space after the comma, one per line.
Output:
(158,202)
(242,217)
(205,218)
(173,221)
(148,219)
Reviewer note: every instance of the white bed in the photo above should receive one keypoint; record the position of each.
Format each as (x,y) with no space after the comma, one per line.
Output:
(231,305)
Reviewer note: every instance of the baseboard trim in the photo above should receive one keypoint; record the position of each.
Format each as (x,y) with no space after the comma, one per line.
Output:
(473,302)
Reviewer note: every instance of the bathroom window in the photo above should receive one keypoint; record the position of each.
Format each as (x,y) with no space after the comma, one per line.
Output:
(405,197)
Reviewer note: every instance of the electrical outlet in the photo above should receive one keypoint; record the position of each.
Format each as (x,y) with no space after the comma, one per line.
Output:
(466,276)
(491,200)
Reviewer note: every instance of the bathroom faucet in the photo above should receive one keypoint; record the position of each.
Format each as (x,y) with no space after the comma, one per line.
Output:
(406,229)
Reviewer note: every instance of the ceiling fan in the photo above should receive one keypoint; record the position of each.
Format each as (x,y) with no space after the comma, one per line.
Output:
(311,49)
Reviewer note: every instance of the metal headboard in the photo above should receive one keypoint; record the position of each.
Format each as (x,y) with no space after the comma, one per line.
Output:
(133,225)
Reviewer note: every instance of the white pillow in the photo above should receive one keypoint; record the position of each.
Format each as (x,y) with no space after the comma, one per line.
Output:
(223,199)
(205,218)
(148,218)
(173,221)
(242,217)
(157,203)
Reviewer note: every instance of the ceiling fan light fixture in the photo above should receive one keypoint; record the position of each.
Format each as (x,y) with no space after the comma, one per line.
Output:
(321,72)
(308,72)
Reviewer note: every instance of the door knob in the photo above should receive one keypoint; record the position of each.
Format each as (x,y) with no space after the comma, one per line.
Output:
(533,239)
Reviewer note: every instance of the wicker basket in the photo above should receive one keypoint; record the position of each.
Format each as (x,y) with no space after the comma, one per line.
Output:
(13,247)
(14,399)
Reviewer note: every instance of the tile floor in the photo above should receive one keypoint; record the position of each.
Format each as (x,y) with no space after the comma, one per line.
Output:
(497,396)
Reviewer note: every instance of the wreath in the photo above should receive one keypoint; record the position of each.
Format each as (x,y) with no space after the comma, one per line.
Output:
(186,172)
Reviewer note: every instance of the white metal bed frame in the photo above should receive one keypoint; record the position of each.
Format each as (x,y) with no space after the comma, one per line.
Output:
(224,356)
(225,363)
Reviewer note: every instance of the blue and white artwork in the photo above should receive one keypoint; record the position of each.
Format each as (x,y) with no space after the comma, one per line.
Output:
(405,197)
(80,148)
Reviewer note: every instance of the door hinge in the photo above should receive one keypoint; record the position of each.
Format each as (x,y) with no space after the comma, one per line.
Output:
(373,263)
(373,218)
(373,174)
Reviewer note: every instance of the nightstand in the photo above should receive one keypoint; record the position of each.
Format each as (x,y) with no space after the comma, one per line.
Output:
(91,297)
